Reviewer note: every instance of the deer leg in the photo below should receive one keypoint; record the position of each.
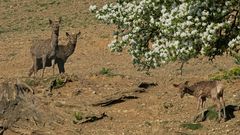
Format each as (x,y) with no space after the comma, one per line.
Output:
(61,66)
(223,106)
(53,65)
(44,64)
(199,103)
(34,66)
(219,109)
(202,104)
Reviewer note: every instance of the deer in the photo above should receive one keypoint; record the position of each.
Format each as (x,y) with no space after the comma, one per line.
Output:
(41,49)
(203,90)
(63,52)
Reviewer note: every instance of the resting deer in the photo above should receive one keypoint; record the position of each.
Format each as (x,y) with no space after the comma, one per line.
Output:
(45,49)
(202,90)
(63,52)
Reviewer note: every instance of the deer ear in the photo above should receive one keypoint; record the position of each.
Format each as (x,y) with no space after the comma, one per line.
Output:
(175,85)
(186,83)
(78,34)
(67,34)
(50,21)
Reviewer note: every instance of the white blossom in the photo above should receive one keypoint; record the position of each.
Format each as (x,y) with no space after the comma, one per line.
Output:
(176,28)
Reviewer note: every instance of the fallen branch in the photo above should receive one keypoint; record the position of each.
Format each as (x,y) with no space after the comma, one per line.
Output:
(115,100)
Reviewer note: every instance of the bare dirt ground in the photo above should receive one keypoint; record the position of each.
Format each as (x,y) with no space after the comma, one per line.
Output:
(22,21)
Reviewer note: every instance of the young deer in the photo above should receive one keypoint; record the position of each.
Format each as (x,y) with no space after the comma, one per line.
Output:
(41,50)
(202,90)
(62,54)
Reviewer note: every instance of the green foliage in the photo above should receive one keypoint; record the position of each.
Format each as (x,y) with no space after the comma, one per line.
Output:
(106,71)
(59,83)
(32,82)
(212,113)
(192,126)
(237,59)
(78,116)
(233,73)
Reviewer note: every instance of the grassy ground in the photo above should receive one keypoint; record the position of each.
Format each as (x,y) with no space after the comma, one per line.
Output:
(102,74)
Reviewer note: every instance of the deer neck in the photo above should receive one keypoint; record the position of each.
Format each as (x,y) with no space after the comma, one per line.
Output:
(54,39)
(190,91)
(70,49)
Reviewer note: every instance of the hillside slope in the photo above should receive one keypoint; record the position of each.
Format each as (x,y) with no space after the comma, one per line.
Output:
(159,110)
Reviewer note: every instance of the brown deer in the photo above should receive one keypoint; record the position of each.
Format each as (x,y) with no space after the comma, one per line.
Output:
(202,90)
(62,54)
(45,49)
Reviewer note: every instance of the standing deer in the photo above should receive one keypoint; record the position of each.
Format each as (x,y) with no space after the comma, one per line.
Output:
(41,50)
(202,90)
(63,52)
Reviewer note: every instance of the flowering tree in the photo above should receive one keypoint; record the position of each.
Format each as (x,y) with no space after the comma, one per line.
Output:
(159,31)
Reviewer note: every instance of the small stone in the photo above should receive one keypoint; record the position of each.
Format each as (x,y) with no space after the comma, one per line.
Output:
(94,92)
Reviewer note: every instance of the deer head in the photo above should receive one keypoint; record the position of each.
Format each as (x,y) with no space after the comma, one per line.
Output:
(55,24)
(72,38)
(183,88)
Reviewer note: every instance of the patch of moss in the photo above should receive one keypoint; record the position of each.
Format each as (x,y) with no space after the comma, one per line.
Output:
(192,126)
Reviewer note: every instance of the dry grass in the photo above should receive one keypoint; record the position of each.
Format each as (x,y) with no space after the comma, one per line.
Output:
(21,21)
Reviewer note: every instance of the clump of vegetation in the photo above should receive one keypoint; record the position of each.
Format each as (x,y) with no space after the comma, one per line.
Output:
(192,126)
(233,73)
(58,83)
(236,59)
(78,116)
(212,114)
(106,71)
(32,81)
